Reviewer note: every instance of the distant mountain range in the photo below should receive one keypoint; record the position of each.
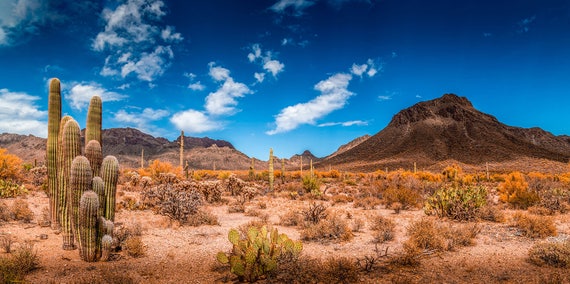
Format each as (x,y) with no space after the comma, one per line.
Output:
(430,134)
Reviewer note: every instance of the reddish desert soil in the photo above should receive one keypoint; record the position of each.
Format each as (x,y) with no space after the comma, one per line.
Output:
(183,254)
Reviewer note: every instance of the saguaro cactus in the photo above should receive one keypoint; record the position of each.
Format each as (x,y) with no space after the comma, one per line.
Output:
(110,176)
(87,229)
(94,154)
(70,143)
(54,117)
(271,176)
(94,120)
(80,181)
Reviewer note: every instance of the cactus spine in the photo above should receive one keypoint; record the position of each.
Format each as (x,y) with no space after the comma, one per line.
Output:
(70,149)
(87,229)
(106,245)
(94,154)
(54,117)
(80,181)
(110,176)
(271,177)
(94,120)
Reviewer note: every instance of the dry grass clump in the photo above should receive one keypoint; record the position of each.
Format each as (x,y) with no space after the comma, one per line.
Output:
(462,235)
(491,213)
(534,226)
(555,254)
(202,217)
(404,198)
(333,227)
(313,270)
(21,211)
(368,203)
(6,242)
(341,199)
(22,261)
(135,246)
(383,229)
(314,213)
(291,218)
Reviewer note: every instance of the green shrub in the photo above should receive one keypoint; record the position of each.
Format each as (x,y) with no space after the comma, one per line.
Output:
(312,184)
(459,203)
(9,189)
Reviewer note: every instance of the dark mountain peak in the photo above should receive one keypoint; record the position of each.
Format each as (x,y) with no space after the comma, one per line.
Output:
(307,155)
(447,107)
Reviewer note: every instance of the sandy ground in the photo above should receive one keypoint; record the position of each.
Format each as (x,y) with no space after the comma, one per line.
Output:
(183,254)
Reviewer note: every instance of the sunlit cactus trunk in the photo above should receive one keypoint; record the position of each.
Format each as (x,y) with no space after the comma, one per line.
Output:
(94,120)
(271,176)
(80,181)
(54,117)
(87,229)
(70,149)
(110,176)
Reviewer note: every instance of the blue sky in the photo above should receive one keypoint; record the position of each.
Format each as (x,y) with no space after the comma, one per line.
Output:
(286,74)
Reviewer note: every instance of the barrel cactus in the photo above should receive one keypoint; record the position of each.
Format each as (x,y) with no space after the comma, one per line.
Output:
(107,245)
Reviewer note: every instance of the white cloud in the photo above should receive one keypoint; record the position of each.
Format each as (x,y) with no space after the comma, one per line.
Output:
(358,70)
(218,73)
(345,124)
(296,7)
(80,94)
(196,86)
(384,98)
(22,17)
(223,101)
(193,121)
(141,120)
(334,96)
(259,77)
(369,68)
(267,62)
(19,114)
(136,42)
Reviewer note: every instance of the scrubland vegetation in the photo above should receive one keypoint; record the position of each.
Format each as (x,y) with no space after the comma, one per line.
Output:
(398,221)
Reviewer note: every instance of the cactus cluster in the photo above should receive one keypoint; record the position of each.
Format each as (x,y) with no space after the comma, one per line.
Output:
(254,256)
(82,189)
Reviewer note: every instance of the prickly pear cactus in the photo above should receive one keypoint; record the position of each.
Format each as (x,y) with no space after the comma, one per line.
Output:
(255,255)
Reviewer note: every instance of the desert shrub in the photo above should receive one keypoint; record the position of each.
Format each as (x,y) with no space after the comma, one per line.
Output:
(297,270)
(554,200)
(291,218)
(10,166)
(332,228)
(555,254)
(21,262)
(459,203)
(340,270)
(383,229)
(425,235)
(176,203)
(162,172)
(20,211)
(131,203)
(452,173)
(405,198)
(341,198)
(491,213)
(250,261)
(460,235)
(369,202)
(6,242)
(202,217)
(314,213)
(533,226)
(39,176)
(311,184)
(135,246)
(9,188)
(5,214)
(516,192)
(123,233)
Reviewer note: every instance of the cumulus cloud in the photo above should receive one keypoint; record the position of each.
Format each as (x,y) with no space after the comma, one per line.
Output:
(369,68)
(223,101)
(345,124)
(135,41)
(334,96)
(259,77)
(193,121)
(80,94)
(266,60)
(141,120)
(19,114)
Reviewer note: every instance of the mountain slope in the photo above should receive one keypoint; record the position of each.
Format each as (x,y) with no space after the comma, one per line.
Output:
(449,128)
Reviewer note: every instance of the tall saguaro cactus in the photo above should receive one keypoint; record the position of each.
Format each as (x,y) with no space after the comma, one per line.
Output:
(54,117)
(271,176)
(94,154)
(87,228)
(94,120)
(110,176)
(70,149)
(80,181)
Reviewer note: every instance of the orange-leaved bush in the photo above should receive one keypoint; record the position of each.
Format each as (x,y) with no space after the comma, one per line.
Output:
(515,190)
(10,165)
